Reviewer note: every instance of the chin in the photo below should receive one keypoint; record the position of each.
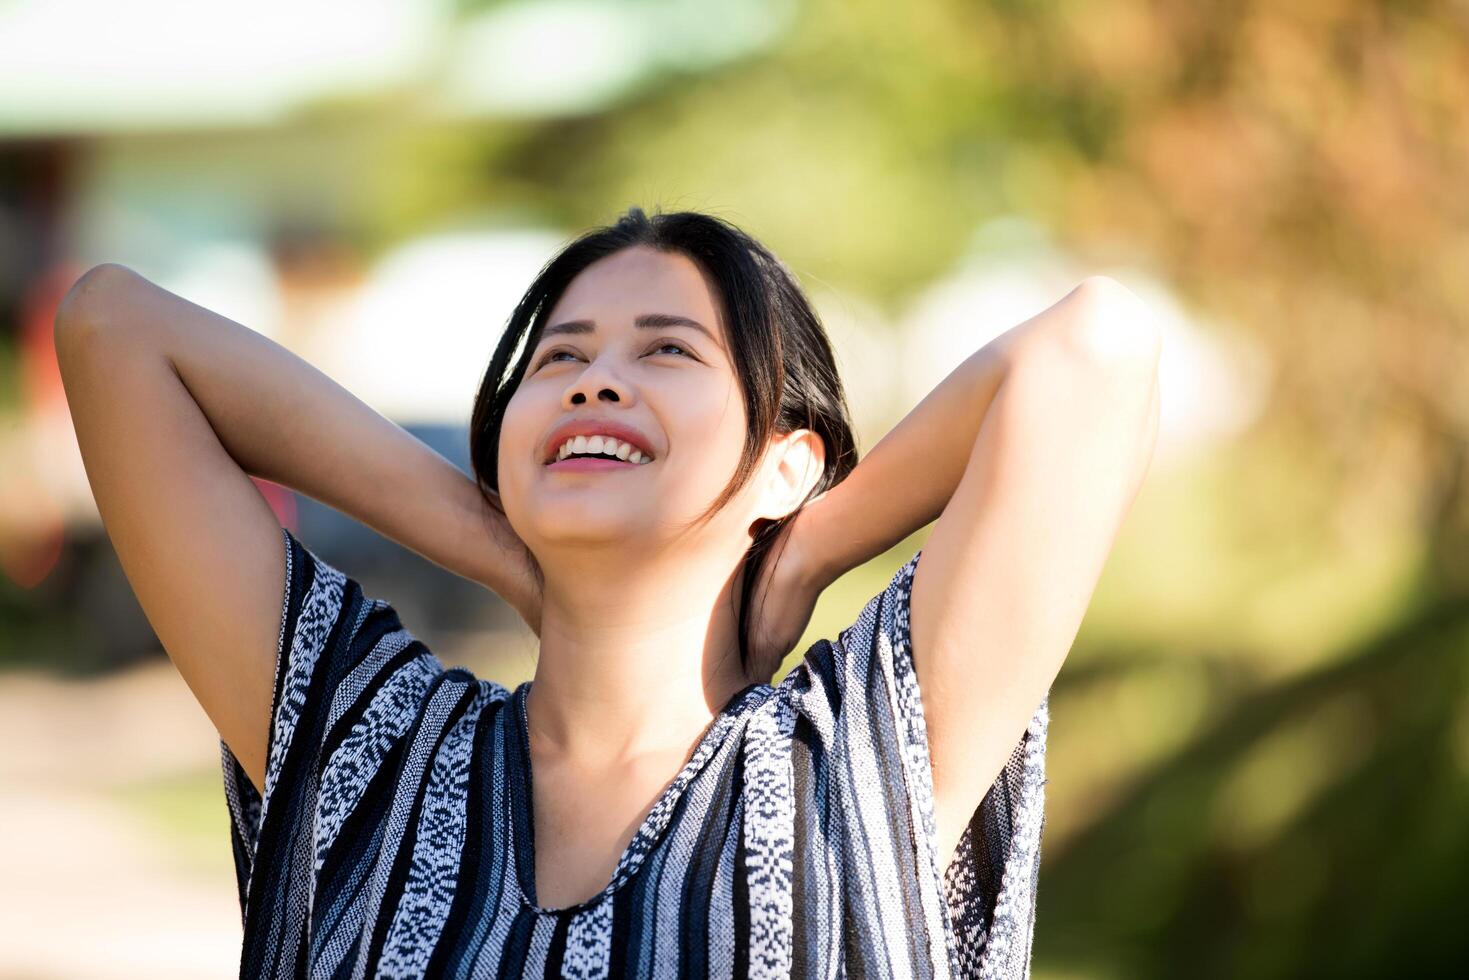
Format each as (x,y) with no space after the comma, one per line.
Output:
(585,522)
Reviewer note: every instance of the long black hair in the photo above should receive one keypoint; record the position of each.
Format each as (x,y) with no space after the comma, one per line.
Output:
(782,358)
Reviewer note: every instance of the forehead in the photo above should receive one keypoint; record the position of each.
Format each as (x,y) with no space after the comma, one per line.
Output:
(613,291)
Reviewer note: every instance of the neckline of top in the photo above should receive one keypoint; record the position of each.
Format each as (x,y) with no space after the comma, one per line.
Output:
(521,798)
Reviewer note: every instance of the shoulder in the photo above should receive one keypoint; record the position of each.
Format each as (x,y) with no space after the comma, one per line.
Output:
(354,648)
(862,652)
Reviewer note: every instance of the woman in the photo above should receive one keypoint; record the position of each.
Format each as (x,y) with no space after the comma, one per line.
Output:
(649,804)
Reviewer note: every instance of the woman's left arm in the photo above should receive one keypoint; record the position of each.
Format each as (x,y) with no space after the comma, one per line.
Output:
(1029,456)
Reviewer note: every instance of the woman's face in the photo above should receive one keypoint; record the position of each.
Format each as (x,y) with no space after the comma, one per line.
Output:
(673,384)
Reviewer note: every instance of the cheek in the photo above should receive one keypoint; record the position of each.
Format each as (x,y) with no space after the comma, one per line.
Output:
(717,427)
(517,442)
(726,421)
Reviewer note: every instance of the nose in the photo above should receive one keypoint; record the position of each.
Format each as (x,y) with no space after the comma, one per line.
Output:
(607,385)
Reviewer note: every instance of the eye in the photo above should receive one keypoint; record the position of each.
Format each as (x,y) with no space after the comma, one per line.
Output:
(548,356)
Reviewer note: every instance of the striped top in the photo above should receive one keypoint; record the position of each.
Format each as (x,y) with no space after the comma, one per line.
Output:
(394,835)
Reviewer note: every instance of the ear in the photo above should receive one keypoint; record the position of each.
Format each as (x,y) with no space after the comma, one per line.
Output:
(793,464)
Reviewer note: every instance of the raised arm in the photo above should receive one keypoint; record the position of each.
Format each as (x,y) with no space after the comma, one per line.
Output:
(1029,455)
(175,407)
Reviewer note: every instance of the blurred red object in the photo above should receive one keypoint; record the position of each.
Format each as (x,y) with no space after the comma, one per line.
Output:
(45,484)
(32,519)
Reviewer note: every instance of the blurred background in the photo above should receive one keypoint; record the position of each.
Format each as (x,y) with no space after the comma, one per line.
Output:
(1259,756)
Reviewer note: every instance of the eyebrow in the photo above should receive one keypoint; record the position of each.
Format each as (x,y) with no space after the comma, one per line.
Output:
(645,321)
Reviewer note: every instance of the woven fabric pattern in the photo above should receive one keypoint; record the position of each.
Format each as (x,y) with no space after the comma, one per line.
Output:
(394,836)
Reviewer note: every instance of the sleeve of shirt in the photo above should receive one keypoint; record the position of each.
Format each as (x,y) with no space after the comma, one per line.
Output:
(860,694)
(350,684)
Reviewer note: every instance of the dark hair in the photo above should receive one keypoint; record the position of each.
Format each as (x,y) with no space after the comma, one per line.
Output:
(781,355)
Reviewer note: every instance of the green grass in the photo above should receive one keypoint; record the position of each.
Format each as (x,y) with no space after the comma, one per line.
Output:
(189,813)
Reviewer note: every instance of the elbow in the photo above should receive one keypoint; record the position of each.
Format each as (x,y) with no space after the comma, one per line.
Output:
(88,305)
(1100,338)
(1112,328)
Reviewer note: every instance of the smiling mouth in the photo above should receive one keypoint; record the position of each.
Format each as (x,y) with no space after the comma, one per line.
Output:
(592,464)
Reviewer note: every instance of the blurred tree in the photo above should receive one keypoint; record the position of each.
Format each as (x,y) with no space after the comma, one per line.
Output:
(1296,169)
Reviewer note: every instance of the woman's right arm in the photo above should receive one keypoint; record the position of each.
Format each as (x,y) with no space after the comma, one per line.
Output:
(175,407)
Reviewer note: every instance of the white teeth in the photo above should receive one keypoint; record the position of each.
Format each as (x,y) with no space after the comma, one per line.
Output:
(605,445)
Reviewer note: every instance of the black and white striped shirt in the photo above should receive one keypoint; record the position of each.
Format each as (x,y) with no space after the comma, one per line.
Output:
(394,838)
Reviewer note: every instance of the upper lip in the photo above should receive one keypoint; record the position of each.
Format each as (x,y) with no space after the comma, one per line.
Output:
(592,427)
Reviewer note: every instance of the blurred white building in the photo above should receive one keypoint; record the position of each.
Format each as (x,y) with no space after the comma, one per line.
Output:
(1211,382)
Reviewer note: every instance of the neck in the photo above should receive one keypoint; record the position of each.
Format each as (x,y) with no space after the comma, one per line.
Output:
(633,663)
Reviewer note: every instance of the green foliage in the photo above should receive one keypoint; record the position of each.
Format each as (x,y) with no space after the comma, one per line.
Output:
(1316,827)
